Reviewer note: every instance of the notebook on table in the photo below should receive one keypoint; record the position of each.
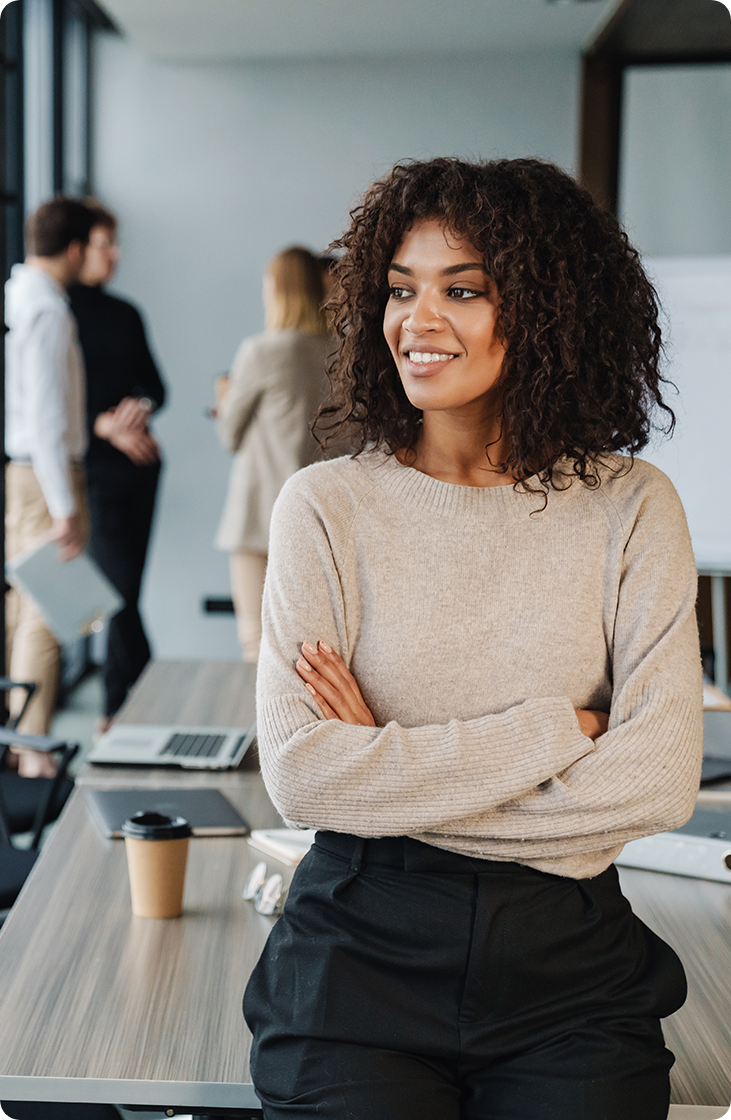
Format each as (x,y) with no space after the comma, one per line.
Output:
(288,845)
(701,848)
(207,811)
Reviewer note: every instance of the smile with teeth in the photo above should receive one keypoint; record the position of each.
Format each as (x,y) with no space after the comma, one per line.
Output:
(422,358)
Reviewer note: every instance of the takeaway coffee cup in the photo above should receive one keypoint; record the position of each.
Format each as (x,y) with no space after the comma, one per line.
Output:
(157,850)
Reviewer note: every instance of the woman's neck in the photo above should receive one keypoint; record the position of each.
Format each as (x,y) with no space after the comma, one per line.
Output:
(454,449)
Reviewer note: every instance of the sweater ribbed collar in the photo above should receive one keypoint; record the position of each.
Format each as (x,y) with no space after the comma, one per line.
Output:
(415,489)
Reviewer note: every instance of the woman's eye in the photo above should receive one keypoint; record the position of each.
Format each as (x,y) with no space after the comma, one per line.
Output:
(394,292)
(464,293)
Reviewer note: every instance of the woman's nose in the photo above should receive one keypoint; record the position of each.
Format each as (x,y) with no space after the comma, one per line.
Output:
(423,315)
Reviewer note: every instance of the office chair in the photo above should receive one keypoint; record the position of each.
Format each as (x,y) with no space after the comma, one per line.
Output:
(16,863)
(31,803)
(27,803)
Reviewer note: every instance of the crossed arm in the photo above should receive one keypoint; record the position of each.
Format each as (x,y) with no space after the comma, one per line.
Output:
(337,695)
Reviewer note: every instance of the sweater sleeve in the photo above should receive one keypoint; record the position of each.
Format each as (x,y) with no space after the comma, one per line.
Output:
(246,388)
(390,780)
(644,774)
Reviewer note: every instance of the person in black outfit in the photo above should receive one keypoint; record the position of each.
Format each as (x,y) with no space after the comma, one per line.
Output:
(123,461)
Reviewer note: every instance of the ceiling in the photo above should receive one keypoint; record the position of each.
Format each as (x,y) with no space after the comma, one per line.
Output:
(238,30)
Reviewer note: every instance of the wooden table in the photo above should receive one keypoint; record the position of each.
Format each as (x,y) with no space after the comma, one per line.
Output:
(694,916)
(96,1005)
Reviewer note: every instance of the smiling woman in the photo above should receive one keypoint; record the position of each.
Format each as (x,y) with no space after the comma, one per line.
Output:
(576,314)
(445,339)
(479,673)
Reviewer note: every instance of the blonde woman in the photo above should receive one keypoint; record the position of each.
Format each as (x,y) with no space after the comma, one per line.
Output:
(263,413)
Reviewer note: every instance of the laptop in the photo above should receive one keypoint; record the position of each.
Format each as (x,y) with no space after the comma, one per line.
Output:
(716,746)
(195,748)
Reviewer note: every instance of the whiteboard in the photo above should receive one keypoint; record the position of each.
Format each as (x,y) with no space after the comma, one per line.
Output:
(696,296)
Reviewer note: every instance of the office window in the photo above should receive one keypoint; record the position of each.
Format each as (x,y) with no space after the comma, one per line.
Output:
(45,126)
(11,140)
(58,42)
(75,146)
(38,83)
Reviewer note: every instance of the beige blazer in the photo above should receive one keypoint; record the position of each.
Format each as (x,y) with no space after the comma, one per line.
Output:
(277,383)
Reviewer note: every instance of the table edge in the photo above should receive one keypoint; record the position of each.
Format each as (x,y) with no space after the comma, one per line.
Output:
(97,1090)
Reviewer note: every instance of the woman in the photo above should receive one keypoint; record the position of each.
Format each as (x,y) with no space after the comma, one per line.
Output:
(480,673)
(264,411)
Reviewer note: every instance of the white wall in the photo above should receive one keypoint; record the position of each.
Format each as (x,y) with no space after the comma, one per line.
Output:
(213,169)
(675,201)
(675,196)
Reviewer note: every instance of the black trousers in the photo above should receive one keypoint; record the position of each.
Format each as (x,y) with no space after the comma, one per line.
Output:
(406,983)
(121,506)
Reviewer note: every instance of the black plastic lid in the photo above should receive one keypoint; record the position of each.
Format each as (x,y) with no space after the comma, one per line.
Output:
(156,826)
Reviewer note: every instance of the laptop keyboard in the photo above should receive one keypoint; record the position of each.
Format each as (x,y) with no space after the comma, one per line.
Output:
(193,746)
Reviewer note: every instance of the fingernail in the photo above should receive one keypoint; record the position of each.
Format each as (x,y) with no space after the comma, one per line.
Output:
(324,646)
(304,665)
(310,689)
(309,647)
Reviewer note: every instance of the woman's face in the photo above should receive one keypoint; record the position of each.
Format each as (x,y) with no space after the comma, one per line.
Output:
(441,320)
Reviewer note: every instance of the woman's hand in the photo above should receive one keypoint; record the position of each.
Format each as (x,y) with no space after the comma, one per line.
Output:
(593,724)
(336,693)
(333,686)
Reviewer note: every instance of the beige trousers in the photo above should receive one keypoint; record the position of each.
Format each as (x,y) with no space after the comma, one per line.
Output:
(32,651)
(247,586)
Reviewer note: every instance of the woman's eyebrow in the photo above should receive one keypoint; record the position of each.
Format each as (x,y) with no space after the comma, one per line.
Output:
(451,271)
(455,268)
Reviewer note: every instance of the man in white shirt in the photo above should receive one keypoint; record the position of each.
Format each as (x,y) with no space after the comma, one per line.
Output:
(45,439)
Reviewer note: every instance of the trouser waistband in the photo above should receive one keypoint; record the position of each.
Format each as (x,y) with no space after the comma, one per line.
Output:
(412,855)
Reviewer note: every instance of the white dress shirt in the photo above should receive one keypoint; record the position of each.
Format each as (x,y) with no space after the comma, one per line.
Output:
(44,378)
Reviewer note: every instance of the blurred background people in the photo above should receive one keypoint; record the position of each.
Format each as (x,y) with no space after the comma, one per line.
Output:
(327,261)
(45,439)
(264,409)
(123,390)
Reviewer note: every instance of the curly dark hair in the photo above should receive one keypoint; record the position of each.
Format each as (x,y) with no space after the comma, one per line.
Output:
(578,315)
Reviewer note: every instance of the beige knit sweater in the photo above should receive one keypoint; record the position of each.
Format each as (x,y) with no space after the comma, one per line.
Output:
(277,384)
(474,628)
